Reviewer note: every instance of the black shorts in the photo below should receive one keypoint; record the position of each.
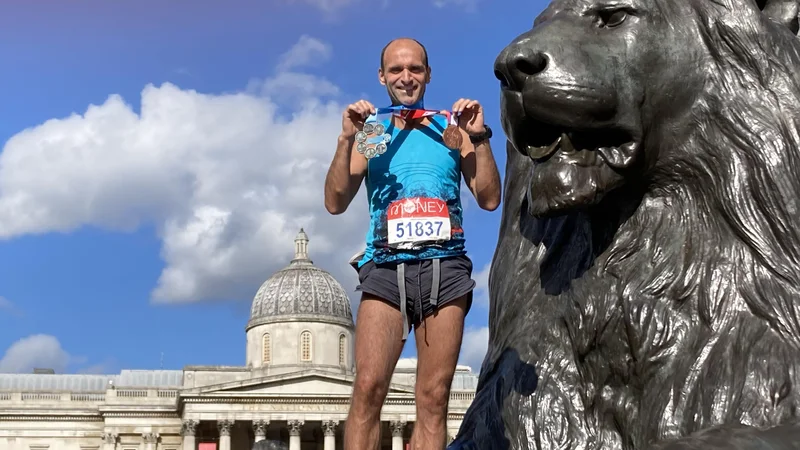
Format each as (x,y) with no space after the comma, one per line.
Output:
(455,281)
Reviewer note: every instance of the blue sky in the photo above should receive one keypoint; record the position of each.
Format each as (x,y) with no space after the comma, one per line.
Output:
(159,157)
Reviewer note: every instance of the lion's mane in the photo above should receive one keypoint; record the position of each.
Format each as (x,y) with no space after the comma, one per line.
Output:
(673,305)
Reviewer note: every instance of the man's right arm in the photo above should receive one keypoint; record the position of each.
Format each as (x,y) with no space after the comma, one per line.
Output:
(344,176)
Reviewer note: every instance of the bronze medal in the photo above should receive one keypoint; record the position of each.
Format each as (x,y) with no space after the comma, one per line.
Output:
(452,137)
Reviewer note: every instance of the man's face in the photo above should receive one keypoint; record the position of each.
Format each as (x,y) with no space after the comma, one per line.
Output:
(404,72)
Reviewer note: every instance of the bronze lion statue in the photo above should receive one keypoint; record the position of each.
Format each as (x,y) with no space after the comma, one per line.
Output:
(645,289)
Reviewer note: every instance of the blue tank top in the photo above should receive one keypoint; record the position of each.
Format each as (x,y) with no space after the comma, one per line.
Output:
(414,196)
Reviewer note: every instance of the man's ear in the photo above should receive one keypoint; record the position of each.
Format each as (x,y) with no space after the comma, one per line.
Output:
(381,78)
(782,12)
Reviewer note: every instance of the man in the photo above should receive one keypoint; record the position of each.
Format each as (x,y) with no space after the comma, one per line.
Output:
(414,270)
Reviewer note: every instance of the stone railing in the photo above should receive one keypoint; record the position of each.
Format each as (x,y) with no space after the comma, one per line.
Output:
(51,397)
(163,397)
(462,396)
(123,396)
(114,396)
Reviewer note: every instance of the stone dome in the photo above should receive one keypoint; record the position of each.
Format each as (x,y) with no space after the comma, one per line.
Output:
(301,292)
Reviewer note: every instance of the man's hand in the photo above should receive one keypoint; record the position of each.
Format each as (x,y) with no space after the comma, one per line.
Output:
(354,116)
(470,116)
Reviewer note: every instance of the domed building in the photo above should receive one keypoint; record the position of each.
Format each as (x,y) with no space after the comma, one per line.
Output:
(306,311)
(294,387)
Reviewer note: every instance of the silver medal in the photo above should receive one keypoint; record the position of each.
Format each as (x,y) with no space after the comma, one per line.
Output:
(380,148)
(361,147)
(369,128)
(379,129)
(361,136)
(370,152)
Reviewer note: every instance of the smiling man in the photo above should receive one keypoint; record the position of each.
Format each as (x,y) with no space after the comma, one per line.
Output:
(414,270)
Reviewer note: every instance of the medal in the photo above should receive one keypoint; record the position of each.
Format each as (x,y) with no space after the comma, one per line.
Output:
(373,140)
(452,135)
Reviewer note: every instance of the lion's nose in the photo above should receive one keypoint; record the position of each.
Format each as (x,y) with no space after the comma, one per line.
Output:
(516,63)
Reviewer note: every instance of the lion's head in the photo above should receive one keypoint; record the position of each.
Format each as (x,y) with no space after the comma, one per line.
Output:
(601,94)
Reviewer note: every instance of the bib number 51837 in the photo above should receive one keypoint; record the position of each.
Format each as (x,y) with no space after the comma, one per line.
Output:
(418,220)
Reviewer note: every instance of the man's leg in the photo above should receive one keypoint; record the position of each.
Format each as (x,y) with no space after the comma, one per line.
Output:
(379,332)
(438,344)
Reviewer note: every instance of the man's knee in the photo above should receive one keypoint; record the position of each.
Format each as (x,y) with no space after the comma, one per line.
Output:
(369,391)
(433,396)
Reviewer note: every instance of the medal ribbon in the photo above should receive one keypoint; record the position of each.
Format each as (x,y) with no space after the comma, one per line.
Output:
(416,111)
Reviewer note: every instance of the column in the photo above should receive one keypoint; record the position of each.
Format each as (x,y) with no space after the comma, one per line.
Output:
(260,429)
(188,428)
(224,427)
(150,440)
(294,434)
(109,441)
(329,429)
(397,434)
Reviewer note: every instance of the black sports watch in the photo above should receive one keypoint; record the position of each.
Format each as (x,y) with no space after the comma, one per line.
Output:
(478,138)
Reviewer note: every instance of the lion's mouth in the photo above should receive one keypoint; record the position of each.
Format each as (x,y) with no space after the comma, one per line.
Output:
(541,141)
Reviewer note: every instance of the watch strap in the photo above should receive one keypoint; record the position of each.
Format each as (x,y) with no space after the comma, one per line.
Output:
(487,133)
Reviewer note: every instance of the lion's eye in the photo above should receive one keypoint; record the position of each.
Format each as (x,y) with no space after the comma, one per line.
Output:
(612,18)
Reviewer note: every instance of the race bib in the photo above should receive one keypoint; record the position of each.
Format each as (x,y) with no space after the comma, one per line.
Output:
(418,219)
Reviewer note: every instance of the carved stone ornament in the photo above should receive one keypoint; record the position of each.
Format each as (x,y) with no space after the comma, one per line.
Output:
(188,427)
(224,427)
(295,426)
(260,427)
(110,438)
(150,438)
(398,428)
(645,288)
(329,427)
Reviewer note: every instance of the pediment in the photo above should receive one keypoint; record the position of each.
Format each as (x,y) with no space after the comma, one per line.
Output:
(303,383)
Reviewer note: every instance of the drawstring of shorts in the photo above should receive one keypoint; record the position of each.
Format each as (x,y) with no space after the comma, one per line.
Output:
(401,284)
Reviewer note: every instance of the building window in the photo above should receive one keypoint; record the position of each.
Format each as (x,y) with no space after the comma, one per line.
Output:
(342,347)
(266,356)
(305,346)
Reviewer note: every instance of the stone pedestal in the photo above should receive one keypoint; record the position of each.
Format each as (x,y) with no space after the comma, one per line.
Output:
(224,427)
(398,430)
(188,428)
(260,429)
(294,434)
(329,429)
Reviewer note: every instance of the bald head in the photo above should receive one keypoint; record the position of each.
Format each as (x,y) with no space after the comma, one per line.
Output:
(404,71)
(404,44)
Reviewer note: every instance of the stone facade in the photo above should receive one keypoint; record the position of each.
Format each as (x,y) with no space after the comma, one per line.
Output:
(294,387)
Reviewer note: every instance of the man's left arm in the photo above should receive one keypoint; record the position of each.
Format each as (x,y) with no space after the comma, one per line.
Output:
(477,161)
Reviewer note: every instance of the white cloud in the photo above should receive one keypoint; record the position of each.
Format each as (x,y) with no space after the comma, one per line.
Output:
(228,180)
(308,51)
(332,7)
(5,304)
(473,347)
(328,6)
(7,307)
(294,88)
(36,351)
(99,368)
(480,295)
(468,5)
